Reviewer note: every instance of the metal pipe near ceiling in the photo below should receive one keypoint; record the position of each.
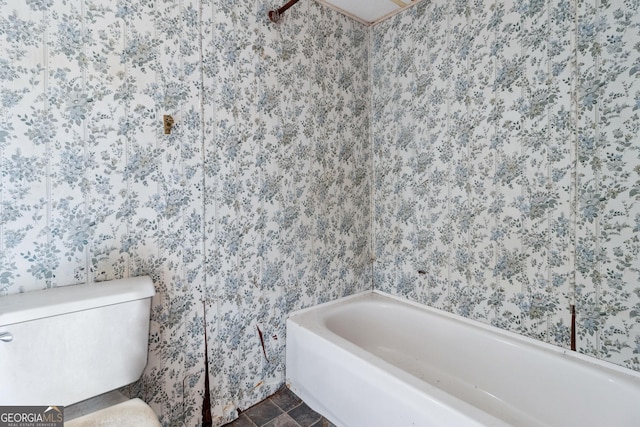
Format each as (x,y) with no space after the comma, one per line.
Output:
(275,15)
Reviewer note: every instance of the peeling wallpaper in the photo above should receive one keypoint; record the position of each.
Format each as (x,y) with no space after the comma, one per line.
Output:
(255,205)
(506,174)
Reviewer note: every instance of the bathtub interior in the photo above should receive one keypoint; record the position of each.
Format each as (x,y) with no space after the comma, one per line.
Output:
(460,363)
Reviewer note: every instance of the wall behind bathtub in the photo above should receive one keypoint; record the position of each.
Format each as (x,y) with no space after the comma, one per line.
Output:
(507,168)
(256,204)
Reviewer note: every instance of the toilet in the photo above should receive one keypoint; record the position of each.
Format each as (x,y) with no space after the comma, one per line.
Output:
(75,346)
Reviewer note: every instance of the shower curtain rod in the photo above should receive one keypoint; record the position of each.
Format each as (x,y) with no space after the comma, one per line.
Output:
(275,15)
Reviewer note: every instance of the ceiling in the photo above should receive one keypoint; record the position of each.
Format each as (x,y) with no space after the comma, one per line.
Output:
(369,12)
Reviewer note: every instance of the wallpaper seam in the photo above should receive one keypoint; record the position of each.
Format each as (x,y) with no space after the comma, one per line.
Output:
(86,195)
(48,174)
(372,174)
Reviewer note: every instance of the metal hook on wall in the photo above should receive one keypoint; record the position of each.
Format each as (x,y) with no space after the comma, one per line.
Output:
(275,15)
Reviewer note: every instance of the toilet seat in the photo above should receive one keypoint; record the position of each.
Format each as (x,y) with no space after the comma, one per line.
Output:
(134,413)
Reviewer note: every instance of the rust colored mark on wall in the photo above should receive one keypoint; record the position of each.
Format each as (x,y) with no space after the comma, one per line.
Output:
(264,349)
(573,327)
(206,402)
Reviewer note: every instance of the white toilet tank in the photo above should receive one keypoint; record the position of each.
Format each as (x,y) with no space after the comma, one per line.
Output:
(66,344)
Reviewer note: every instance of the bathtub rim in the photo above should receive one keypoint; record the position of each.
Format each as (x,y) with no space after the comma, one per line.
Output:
(299,316)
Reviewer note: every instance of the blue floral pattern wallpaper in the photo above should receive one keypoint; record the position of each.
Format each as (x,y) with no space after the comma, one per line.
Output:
(256,204)
(507,175)
(480,157)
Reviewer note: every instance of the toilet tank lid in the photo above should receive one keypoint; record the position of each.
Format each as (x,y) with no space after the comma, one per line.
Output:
(16,308)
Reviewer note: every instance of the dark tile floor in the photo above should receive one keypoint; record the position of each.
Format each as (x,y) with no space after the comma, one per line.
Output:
(282,409)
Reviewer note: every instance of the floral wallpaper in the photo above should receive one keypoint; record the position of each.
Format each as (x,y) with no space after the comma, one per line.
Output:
(256,204)
(288,183)
(506,178)
(482,153)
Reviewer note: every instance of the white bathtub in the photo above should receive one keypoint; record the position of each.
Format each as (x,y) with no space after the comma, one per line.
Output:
(376,360)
